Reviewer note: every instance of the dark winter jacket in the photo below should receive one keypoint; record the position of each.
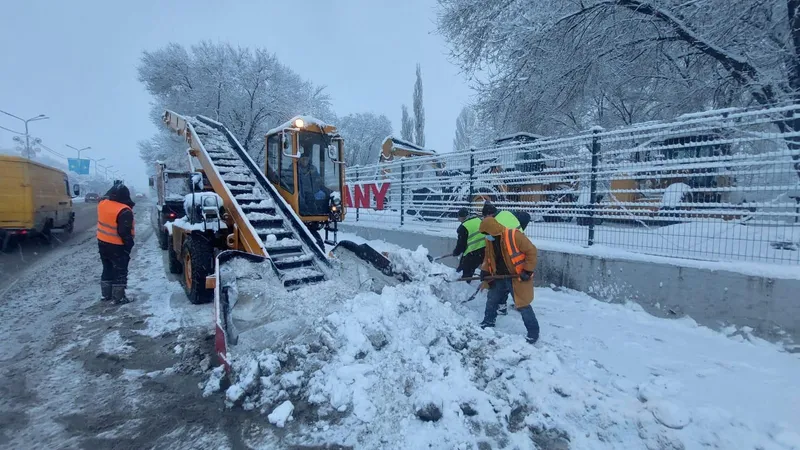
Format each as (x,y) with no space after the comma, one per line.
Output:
(309,180)
(461,243)
(120,193)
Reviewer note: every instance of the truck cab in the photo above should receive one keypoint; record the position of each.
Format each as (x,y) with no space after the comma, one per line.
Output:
(171,188)
(305,163)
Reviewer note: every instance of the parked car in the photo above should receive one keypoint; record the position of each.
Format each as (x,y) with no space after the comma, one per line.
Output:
(91,197)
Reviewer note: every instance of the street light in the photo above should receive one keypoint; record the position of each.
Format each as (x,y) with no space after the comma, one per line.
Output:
(95,164)
(27,136)
(79,150)
(105,177)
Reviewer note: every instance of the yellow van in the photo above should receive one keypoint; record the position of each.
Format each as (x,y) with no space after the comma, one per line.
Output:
(34,199)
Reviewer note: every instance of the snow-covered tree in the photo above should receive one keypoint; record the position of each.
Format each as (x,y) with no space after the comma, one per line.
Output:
(419,111)
(406,126)
(363,135)
(249,91)
(465,126)
(545,66)
(472,131)
(166,147)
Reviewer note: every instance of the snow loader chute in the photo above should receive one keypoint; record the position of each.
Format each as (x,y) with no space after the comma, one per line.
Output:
(236,211)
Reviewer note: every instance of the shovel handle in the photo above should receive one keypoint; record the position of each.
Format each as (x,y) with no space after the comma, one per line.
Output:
(492,278)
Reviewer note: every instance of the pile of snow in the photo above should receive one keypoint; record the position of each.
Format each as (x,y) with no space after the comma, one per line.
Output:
(204,199)
(674,194)
(407,367)
(183,222)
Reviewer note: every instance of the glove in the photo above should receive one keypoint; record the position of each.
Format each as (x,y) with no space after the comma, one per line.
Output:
(484,278)
(525,275)
(320,195)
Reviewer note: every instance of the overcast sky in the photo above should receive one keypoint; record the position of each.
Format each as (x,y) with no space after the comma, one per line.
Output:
(76,62)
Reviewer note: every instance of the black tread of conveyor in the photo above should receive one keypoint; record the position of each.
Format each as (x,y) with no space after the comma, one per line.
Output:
(297,258)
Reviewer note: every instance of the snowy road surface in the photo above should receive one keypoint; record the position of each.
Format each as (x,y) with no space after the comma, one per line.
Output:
(75,373)
(403,368)
(28,252)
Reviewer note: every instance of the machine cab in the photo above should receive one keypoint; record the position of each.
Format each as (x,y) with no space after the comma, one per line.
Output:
(305,162)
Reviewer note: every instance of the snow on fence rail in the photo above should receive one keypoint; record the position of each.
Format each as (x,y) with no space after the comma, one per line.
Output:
(717,185)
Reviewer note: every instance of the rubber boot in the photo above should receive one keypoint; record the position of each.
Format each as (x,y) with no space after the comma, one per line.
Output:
(105,289)
(118,294)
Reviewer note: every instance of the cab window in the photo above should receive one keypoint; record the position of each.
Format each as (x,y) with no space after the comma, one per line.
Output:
(66,186)
(287,168)
(273,150)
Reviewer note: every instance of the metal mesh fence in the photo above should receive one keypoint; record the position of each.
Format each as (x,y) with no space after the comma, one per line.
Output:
(720,185)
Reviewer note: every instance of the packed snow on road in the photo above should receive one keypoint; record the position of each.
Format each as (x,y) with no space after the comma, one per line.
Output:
(404,367)
(408,367)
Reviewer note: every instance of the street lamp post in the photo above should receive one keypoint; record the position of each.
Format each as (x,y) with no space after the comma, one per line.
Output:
(95,164)
(105,168)
(79,150)
(27,136)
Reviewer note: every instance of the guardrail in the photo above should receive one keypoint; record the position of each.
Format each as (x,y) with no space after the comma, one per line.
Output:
(717,185)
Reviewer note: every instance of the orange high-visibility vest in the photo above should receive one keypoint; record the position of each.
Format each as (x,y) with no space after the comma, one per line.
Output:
(107,212)
(517,257)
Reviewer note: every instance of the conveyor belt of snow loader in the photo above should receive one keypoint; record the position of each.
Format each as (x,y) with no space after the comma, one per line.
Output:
(285,238)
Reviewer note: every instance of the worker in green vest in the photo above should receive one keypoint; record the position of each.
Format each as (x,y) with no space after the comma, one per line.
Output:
(518,220)
(470,244)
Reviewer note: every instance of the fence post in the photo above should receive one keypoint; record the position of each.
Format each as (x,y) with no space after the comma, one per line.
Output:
(593,181)
(402,192)
(355,183)
(471,177)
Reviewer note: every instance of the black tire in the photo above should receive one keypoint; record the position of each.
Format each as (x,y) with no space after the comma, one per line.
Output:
(198,253)
(48,227)
(174,263)
(70,226)
(7,242)
(163,239)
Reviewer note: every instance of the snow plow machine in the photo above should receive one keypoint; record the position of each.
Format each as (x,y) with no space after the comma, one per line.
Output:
(251,236)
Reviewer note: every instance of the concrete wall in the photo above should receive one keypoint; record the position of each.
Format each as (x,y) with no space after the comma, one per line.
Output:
(711,297)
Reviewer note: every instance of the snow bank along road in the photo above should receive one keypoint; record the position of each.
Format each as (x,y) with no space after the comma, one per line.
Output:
(404,368)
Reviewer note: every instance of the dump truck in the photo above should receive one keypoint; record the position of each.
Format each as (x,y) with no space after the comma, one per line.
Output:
(238,215)
(171,188)
(35,199)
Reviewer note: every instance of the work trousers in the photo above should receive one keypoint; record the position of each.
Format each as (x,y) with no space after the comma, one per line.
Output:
(115,259)
(470,262)
(498,293)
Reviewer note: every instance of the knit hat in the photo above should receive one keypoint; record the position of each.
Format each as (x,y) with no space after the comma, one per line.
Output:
(463,212)
(488,209)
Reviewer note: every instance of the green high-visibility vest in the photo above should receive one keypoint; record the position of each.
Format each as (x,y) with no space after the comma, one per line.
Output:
(475,239)
(507,220)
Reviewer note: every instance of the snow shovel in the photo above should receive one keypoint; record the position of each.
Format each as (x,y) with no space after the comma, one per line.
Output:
(472,297)
(438,258)
(491,278)
(475,294)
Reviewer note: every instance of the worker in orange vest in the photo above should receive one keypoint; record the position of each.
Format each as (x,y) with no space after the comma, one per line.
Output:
(511,254)
(115,234)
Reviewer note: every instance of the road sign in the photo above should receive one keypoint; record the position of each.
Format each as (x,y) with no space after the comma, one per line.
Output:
(79,166)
